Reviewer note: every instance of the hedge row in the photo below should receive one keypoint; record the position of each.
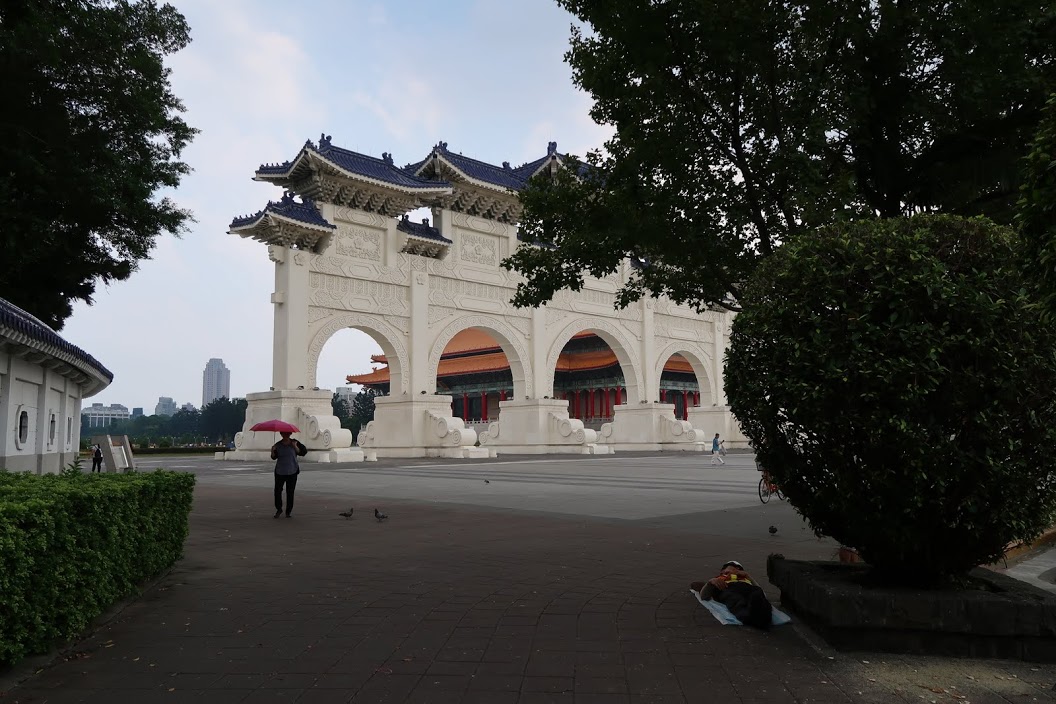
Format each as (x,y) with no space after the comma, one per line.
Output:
(72,545)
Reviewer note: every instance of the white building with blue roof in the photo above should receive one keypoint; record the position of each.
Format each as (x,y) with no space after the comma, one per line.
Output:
(43,382)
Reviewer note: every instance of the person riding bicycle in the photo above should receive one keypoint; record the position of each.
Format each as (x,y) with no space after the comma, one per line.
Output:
(735,589)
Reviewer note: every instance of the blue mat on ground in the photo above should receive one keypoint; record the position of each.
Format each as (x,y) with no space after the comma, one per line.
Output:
(726,618)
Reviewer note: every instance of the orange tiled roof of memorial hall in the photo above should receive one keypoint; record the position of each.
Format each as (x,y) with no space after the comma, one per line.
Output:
(478,340)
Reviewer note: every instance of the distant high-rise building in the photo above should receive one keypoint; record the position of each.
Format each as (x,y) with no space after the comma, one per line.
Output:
(346,394)
(188,407)
(99,416)
(166,407)
(216,381)
(137,412)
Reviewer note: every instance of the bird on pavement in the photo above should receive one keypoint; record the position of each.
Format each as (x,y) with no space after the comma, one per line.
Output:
(773,529)
(379,515)
(347,514)
(487,482)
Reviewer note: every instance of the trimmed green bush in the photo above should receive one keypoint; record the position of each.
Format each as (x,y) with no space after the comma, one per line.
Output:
(897,380)
(71,545)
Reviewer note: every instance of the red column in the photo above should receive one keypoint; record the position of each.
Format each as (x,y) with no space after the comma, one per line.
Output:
(685,405)
(619,395)
(483,405)
(574,406)
(502,394)
(663,396)
(590,403)
(465,406)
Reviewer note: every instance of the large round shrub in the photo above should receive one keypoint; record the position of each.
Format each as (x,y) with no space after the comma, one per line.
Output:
(895,379)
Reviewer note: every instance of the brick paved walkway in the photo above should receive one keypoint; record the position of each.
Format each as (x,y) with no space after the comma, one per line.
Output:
(457,604)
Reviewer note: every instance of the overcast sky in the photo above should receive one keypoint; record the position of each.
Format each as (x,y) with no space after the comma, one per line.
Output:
(259,78)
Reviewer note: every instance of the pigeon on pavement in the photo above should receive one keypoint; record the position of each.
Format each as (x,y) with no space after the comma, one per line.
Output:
(773,529)
(486,481)
(347,514)
(379,515)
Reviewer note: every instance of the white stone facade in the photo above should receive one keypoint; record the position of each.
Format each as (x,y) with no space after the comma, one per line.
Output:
(361,273)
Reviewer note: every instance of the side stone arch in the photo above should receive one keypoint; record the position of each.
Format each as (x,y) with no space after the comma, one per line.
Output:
(698,359)
(390,339)
(509,339)
(616,337)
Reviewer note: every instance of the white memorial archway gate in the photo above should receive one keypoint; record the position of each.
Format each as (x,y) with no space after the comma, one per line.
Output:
(346,255)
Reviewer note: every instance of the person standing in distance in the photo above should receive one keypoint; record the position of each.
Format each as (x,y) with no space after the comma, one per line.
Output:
(716,446)
(97,458)
(285,453)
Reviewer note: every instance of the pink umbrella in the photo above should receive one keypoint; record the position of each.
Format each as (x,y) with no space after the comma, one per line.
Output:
(276,426)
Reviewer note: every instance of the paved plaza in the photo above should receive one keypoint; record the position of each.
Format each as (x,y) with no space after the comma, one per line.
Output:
(516,580)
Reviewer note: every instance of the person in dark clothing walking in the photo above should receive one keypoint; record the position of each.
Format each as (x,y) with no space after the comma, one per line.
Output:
(285,453)
(97,459)
(735,589)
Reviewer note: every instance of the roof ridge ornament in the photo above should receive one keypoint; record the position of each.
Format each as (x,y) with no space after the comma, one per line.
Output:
(387,158)
(506,166)
(324,141)
(551,149)
(442,146)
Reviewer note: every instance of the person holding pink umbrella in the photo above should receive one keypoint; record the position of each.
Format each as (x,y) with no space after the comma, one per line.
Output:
(285,453)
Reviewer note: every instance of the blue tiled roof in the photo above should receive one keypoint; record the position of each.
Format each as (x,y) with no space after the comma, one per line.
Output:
(382,169)
(13,317)
(421,229)
(503,176)
(305,211)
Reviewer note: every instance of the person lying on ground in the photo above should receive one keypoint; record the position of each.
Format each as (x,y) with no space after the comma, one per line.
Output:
(734,589)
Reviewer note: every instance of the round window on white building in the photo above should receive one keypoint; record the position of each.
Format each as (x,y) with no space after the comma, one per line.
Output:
(23,428)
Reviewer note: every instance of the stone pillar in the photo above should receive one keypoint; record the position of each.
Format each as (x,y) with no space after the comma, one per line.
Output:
(290,336)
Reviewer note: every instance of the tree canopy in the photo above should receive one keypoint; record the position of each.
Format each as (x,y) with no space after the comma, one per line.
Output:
(91,132)
(895,377)
(1036,214)
(738,125)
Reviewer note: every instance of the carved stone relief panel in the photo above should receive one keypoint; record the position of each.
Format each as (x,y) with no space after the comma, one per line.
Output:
(342,293)
(360,217)
(359,243)
(479,249)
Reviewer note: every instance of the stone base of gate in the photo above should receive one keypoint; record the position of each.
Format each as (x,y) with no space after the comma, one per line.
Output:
(650,427)
(418,427)
(718,419)
(345,454)
(540,427)
(311,411)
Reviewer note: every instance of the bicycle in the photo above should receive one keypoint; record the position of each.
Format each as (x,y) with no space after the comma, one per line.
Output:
(767,488)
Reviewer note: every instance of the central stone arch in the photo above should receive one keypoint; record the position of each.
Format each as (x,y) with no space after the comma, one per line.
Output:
(387,336)
(509,339)
(617,338)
